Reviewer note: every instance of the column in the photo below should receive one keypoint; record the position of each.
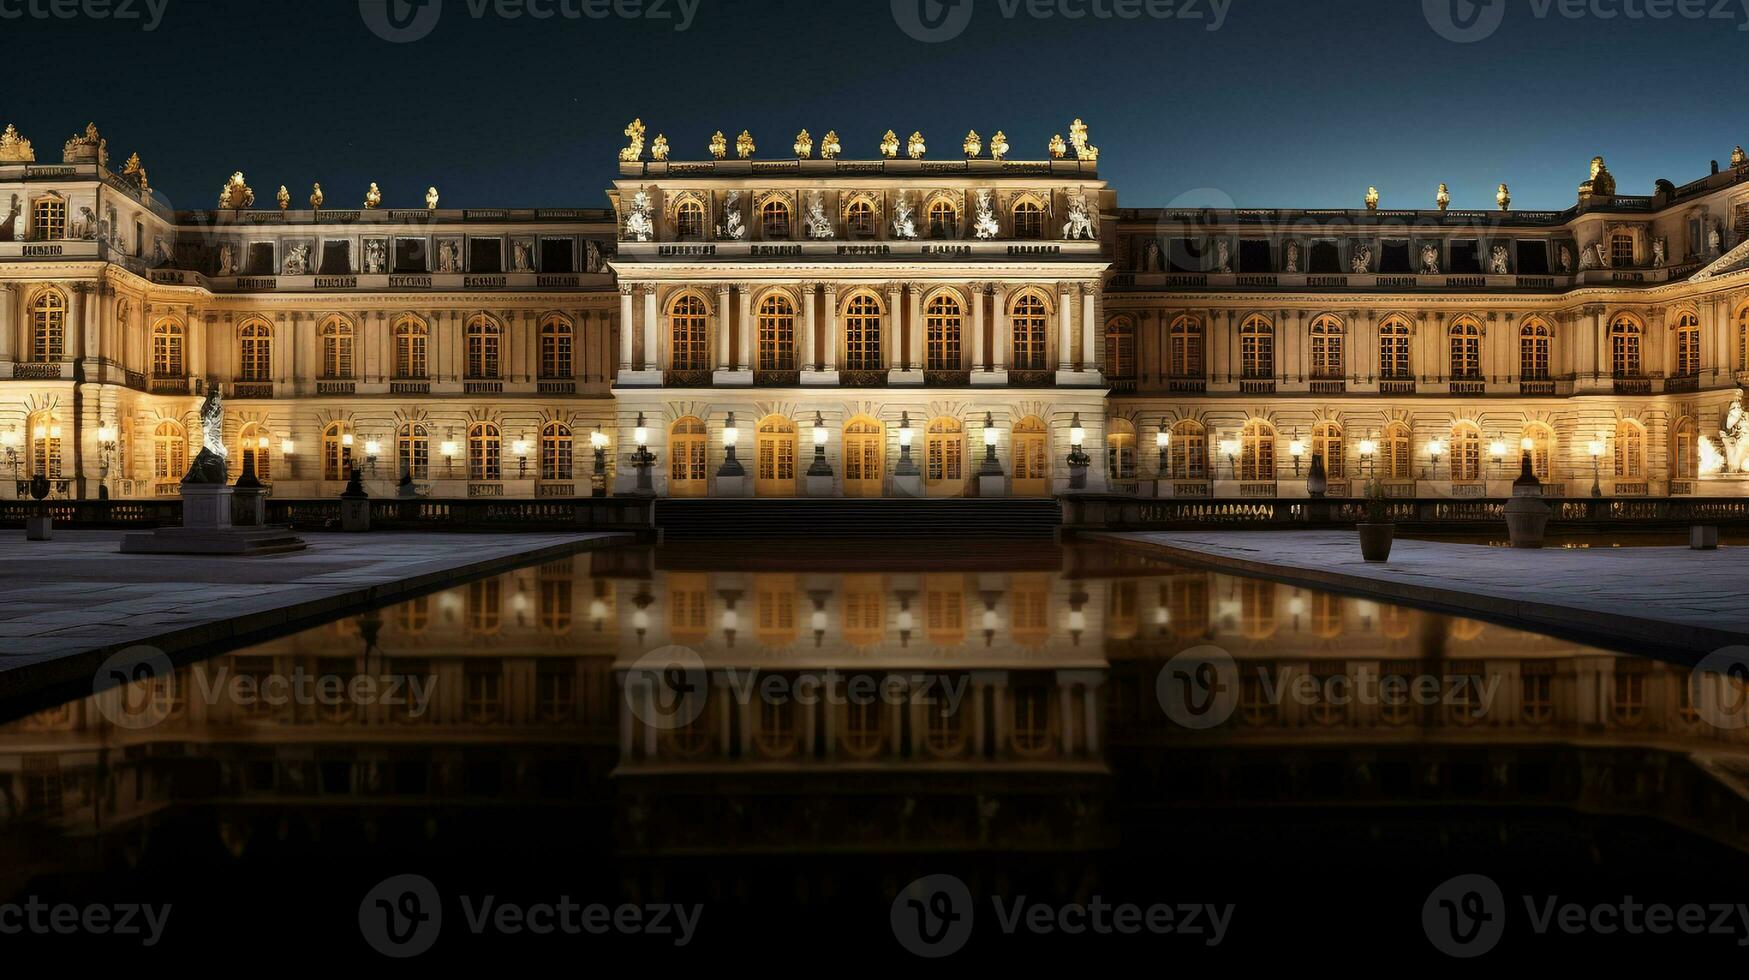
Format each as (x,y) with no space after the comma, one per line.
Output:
(914,355)
(829,356)
(651,362)
(745,326)
(625,329)
(1065,329)
(808,358)
(891,337)
(724,355)
(9,318)
(75,332)
(980,363)
(1218,346)
(1001,335)
(1089,332)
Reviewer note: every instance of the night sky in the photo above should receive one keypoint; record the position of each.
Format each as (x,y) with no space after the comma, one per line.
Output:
(1290,103)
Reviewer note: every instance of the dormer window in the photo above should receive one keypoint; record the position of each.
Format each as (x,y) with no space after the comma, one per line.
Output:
(48,218)
(860,219)
(689,221)
(1029,220)
(774,220)
(1621,250)
(943,219)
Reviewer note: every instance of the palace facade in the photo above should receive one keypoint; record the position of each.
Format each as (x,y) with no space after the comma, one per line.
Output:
(806,324)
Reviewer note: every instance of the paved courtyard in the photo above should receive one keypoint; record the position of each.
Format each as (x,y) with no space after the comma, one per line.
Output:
(70,602)
(1671,600)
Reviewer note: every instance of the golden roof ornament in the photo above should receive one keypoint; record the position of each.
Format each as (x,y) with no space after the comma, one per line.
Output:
(744,145)
(914,147)
(1058,149)
(1503,197)
(973,145)
(316,197)
(87,147)
(890,145)
(659,149)
(431,198)
(804,145)
(998,145)
(236,194)
(830,147)
(1078,139)
(1372,198)
(719,145)
(634,149)
(134,172)
(372,197)
(15,148)
(1602,182)
(1442,199)
(283,197)
(1738,157)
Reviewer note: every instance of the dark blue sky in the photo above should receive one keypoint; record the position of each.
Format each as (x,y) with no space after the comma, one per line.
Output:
(1294,103)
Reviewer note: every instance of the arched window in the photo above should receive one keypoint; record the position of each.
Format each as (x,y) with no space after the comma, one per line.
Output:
(45,446)
(942,319)
(1032,457)
(1466,350)
(944,219)
(1327,347)
(169,452)
(336,348)
(1466,453)
(1120,349)
(1687,345)
(774,219)
(864,457)
(1624,346)
(412,339)
(860,218)
(1188,455)
(485,453)
(1743,338)
(862,332)
(253,447)
(689,220)
(777,334)
(1029,219)
(255,351)
(485,341)
(1257,451)
(48,326)
(1542,449)
(1120,449)
(686,458)
(1184,343)
(1327,442)
(1394,451)
(1533,351)
(688,336)
(1029,330)
(556,345)
(555,452)
(1630,450)
(1684,450)
(337,450)
(413,451)
(167,347)
(944,455)
(1257,347)
(1394,349)
(48,218)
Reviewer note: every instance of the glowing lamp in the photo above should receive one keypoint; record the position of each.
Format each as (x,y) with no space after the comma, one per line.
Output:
(11,439)
(54,432)
(261,443)
(447,449)
(1077,434)
(105,434)
(731,436)
(1595,447)
(519,448)
(1436,449)
(905,437)
(346,440)
(598,439)
(819,430)
(1229,447)
(373,449)
(990,432)
(40,432)
(287,447)
(641,434)
(1497,449)
(1296,449)
(1367,447)
(1163,438)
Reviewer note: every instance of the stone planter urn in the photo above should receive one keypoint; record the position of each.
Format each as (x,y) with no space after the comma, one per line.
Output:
(1527,516)
(1375,541)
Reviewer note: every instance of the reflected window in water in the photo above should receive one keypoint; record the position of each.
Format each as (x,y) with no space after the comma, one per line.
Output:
(1536,691)
(776,597)
(1120,611)
(1257,618)
(483,691)
(1032,720)
(776,734)
(1628,693)
(1029,609)
(484,600)
(944,601)
(863,735)
(413,616)
(688,607)
(865,610)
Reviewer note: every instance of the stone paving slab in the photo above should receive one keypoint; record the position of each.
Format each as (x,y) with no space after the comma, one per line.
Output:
(67,604)
(1672,601)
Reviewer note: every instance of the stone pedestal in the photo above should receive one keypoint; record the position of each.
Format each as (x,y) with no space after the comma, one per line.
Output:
(733,486)
(727,377)
(1704,537)
(815,378)
(249,506)
(354,506)
(1527,516)
(821,485)
(39,528)
(980,378)
(638,379)
(992,485)
(900,376)
(910,485)
(206,506)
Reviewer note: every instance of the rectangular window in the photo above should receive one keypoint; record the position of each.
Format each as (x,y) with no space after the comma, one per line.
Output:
(1466,258)
(557,255)
(1621,250)
(1324,259)
(1533,258)
(336,258)
(409,255)
(1394,257)
(1255,256)
(260,259)
(485,255)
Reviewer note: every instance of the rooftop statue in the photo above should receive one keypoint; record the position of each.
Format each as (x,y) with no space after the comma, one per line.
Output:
(830,147)
(134,172)
(1057,148)
(372,197)
(904,225)
(15,148)
(283,198)
(744,145)
(973,145)
(914,147)
(1503,197)
(1078,138)
(316,198)
(1738,157)
(87,147)
(732,227)
(998,145)
(659,149)
(804,145)
(431,198)
(1360,262)
(719,145)
(634,149)
(890,145)
(236,193)
(1602,182)
(1442,200)
(1372,198)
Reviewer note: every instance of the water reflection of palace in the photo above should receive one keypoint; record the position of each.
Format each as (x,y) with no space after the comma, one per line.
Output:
(1020,707)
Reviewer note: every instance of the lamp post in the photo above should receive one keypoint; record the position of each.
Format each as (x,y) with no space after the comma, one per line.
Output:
(1230,449)
(1497,449)
(1435,449)
(1296,450)
(1597,447)
(1078,459)
(906,466)
(819,467)
(1163,442)
(643,460)
(519,449)
(731,438)
(1368,449)
(991,465)
(448,450)
(598,480)
(372,450)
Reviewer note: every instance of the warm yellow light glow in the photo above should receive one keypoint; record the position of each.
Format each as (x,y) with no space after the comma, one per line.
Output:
(287,447)
(598,439)
(519,448)
(990,435)
(373,448)
(1497,449)
(1595,447)
(447,449)
(1296,449)
(641,436)
(105,434)
(261,443)
(1527,444)
(819,435)
(40,432)
(1367,447)
(1436,448)
(1077,436)
(731,436)
(346,440)
(1162,440)
(905,437)
(1229,447)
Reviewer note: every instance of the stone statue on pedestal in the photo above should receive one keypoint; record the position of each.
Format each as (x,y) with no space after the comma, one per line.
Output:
(1734,435)
(209,466)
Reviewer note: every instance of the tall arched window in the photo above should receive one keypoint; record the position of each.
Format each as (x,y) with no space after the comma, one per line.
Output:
(1743,338)
(413,451)
(1630,450)
(169,452)
(686,458)
(556,345)
(1395,450)
(862,331)
(337,450)
(1684,450)
(1466,453)
(336,348)
(1327,347)
(864,457)
(944,455)
(555,452)
(775,466)
(777,334)
(774,219)
(485,340)
(689,220)
(1029,219)
(1687,345)
(485,452)
(1624,346)
(1542,449)
(1188,455)
(1533,351)
(942,319)
(1327,442)
(1120,349)
(48,325)
(412,339)
(1029,330)
(255,351)
(45,446)
(1257,347)
(689,334)
(1120,449)
(944,219)
(1394,362)
(167,348)
(1466,350)
(1257,451)
(252,448)
(1184,348)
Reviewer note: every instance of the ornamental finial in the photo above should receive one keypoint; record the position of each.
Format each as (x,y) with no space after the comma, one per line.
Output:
(283,198)
(719,145)
(1372,198)
(1058,149)
(1078,138)
(635,147)
(659,149)
(830,147)
(804,145)
(890,145)
(15,148)
(914,147)
(1503,197)
(998,145)
(236,193)
(1443,198)
(744,145)
(973,145)
(316,197)
(372,197)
